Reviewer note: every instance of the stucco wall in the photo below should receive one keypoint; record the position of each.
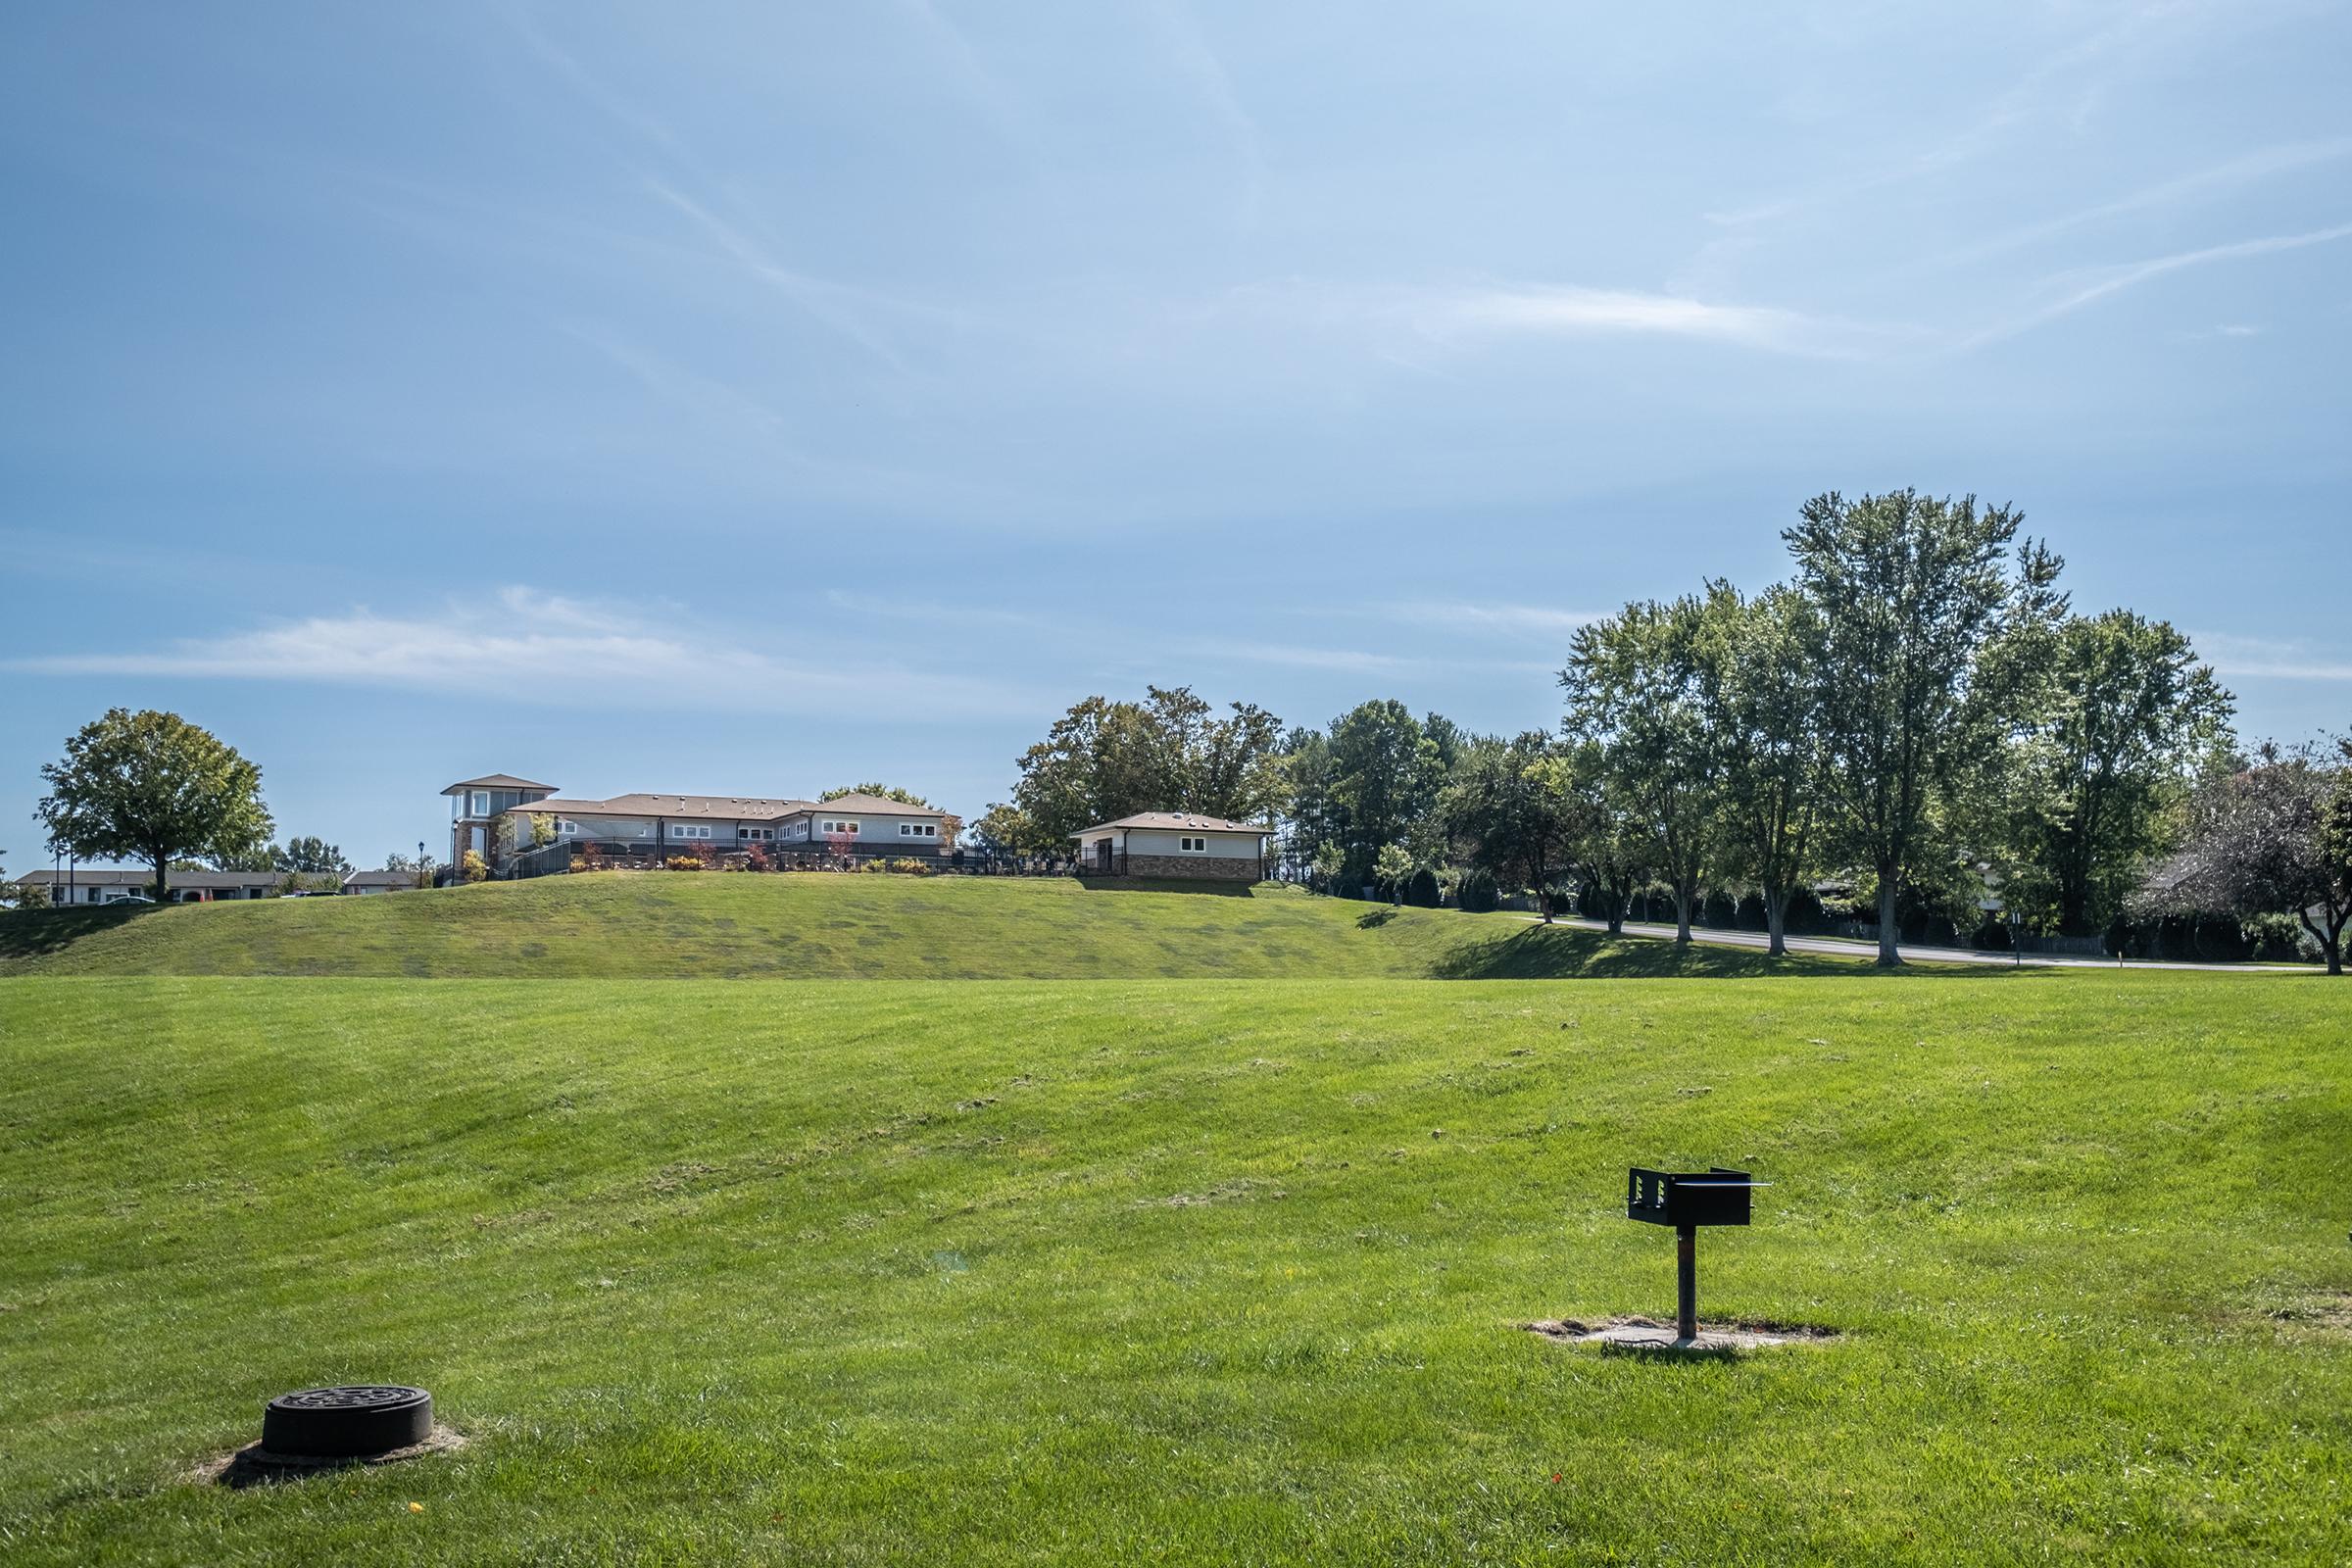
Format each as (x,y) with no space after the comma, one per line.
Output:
(1165,841)
(877,833)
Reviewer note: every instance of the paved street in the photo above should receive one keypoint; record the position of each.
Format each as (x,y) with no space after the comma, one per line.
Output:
(1842,947)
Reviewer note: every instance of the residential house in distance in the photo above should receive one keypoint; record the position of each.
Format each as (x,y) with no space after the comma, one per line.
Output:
(1179,845)
(368,882)
(96,884)
(474,804)
(635,826)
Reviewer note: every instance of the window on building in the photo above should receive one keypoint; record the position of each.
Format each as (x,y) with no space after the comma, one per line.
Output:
(837,827)
(481,803)
(569,828)
(690,830)
(754,832)
(1192,846)
(917,830)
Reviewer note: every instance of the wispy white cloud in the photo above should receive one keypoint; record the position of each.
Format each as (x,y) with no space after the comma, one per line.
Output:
(1189,52)
(1571,311)
(1351,660)
(1243,652)
(980,84)
(2264,657)
(675,384)
(2067,82)
(2216,179)
(1458,315)
(837,306)
(567,67)
(1540,621)
(535,646)
(929,612)
(771,435)
(829,302)
(2088,286)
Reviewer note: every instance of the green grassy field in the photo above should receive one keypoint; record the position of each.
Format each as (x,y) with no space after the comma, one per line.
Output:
(1178,1271)
(665,925)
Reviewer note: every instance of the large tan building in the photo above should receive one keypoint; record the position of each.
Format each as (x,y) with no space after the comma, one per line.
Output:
(501,809)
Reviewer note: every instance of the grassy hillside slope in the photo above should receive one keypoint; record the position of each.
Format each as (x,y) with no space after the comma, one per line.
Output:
(616,924)
(1172,1272)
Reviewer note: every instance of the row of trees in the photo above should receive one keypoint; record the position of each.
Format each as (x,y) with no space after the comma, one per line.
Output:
(1916,717)
(1918,708)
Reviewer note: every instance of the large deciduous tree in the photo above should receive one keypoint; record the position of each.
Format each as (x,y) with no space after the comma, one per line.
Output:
(1509,807)
(1761,667)
(1916,597)
(310,856)
(2128,719)
(1383,771)
(1633,684)
(1608,840)
(2273,837)
(884,792)
(1006,829)
(150,787)
(1171,751)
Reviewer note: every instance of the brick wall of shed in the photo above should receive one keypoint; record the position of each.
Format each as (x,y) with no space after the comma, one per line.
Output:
(1195,868)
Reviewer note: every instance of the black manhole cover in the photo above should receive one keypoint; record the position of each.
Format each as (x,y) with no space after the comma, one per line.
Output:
(347,1423)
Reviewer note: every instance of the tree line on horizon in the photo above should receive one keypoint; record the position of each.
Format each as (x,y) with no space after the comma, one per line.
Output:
(1915,723)
(1917,717)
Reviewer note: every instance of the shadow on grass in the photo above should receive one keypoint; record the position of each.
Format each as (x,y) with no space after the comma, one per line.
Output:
(1155,884)
(1375,920)
(29,934)
(1557,952)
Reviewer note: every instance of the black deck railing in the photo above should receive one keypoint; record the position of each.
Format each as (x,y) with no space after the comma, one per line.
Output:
(554,860)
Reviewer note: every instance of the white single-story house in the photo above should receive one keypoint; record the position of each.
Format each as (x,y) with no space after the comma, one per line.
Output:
(93,884)
(365,882)
(1175,844)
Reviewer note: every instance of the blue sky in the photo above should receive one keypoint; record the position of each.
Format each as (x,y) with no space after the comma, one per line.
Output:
(761,398)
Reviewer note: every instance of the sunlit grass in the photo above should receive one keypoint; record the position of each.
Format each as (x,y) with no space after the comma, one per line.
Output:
(1179,1271)
(820,926)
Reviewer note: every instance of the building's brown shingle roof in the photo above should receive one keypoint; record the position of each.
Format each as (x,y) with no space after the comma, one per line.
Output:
(719,807)
(495,781)
(691,808)
(1178,820)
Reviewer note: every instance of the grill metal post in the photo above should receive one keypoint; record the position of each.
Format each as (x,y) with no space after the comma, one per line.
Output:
(1685,1281)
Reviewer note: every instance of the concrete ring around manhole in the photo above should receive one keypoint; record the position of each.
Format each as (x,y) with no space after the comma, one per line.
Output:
(256,1467)
(1649,1335)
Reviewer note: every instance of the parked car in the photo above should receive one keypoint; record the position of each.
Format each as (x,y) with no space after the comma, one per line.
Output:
(130,898)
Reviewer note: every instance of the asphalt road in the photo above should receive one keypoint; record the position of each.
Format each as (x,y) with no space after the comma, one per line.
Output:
(1842,948)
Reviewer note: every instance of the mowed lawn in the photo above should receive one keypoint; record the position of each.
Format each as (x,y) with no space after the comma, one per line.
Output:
(834,926)
(1196,1272)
